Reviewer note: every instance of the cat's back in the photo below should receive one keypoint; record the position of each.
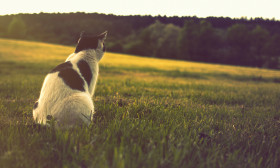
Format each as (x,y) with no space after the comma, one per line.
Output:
(67,74)
(62,86)
(62,81)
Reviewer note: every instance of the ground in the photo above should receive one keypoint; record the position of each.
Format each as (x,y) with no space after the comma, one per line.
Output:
(149,113)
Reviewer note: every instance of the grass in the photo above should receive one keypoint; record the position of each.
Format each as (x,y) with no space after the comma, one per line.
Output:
(149,113)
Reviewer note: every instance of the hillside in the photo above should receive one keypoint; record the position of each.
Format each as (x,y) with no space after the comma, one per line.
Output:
(245,42)
(149,113)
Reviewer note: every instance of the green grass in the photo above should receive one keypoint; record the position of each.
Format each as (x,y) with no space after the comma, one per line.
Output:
(149,113)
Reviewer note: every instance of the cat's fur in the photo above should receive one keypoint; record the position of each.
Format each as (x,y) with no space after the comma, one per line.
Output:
(66,94)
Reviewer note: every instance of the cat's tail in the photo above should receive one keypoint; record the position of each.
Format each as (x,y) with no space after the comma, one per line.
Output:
(76,109)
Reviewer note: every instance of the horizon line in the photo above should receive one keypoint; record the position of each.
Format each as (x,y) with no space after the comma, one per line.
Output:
(158,15)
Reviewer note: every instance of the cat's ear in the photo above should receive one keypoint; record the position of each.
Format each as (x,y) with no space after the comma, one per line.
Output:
(81,36)
(102,36)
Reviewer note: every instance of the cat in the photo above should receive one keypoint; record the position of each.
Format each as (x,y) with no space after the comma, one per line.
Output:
(66,94)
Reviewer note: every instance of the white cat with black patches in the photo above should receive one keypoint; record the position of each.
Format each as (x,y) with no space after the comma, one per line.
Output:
(66,94)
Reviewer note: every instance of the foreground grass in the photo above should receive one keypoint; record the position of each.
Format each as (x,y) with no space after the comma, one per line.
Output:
(150,113)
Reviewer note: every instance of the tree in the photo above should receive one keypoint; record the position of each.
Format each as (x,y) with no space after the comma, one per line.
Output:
(239,41)
(259,37)
(141,44)
(208,42)
(157,40)
(272,52)
(153,35)
(187,42)
(167,44)
(198,41)
(17,28)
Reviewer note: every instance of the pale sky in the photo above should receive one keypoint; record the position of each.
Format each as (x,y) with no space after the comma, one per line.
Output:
(201,8)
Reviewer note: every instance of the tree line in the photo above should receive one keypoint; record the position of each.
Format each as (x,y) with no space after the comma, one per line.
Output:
(245,42)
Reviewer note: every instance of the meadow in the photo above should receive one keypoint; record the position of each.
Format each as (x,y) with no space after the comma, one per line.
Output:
(150,112)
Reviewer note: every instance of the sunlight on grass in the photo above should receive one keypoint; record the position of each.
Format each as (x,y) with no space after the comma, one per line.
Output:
(116,60)
(40,52)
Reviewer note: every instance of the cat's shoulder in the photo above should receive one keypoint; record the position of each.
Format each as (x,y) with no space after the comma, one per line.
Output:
(61,67)
(69,76)
(85,70)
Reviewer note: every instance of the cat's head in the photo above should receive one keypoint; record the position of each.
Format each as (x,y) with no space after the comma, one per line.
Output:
(89,42)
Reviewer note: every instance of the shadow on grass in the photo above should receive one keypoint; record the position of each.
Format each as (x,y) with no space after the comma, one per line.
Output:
(153,72)
(187,74)
(252,78)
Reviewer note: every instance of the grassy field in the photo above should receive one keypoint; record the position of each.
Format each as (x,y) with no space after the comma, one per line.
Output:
(150,113)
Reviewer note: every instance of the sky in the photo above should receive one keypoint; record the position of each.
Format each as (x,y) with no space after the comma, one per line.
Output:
(200,8)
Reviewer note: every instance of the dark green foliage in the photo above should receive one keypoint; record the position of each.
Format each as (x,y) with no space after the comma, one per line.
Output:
(157,40)
(271,51)
(167,43)
(239,41)
(115,47)
(259,40)
(188,40)
(17,28)
(138,48)
(198,41)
